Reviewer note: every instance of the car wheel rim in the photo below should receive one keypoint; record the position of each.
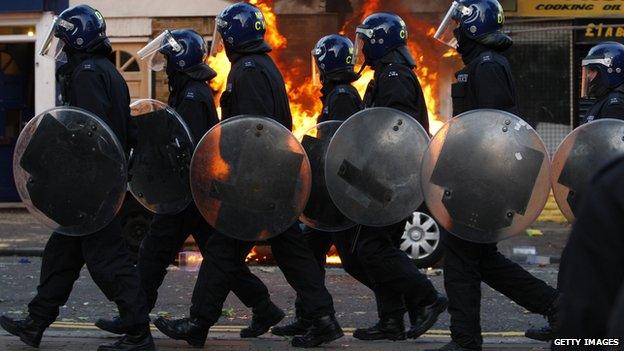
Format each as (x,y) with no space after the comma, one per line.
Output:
(421,236)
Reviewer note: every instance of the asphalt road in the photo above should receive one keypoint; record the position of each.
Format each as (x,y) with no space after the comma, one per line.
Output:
(503,321)
(227,343)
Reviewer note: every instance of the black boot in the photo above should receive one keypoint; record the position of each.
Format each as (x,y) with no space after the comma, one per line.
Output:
(191,330)
(324,329)
(262,321)
(428,316)
(544,333)
(299,327)
(547,332)
(137,340)
(28,330)
(391,328)
(114,325)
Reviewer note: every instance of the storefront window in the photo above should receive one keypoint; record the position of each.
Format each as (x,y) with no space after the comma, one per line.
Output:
(541,59)
(18,30)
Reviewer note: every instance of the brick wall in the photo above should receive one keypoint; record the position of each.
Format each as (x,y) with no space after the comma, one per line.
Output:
(302,32)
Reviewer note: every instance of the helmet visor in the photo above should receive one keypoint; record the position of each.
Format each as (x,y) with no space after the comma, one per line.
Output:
(445,32)
(588,74)
(591,72)
(153,51)
(359,60)
(217,39)
(52,45)
(316,71)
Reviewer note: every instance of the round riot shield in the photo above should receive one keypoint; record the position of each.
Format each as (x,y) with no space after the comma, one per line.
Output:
(485,175)
(250,178)
(372,166)
(158,171)
(579,156)
(70,171)
(320,212)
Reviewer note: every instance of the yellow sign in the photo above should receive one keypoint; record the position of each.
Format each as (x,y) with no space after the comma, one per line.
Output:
(570,8)
(599,31)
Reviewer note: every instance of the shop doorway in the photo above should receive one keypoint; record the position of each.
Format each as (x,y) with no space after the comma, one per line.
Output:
(16,107)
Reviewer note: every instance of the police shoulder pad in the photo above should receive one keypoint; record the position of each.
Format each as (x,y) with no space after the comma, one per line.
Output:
(87,65)
(191,94)
(249,63)
(615,100)
(392,73)
(341,90)
(486,57)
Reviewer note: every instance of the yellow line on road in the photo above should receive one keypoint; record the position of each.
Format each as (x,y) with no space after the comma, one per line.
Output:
(237,328)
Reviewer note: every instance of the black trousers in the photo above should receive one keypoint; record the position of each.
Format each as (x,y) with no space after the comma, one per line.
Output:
(320,243)
(397,281)
(109,264)
(388,303)
(466,265)
(219,270)
(165,239)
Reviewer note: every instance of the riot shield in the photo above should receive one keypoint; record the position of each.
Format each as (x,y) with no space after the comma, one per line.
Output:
(250,178)
(579,156)
(485,175)
(320,212)
(158,171)
(372,166)
(70,171)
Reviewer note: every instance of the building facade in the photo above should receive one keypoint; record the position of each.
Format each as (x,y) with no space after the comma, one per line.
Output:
(27,82)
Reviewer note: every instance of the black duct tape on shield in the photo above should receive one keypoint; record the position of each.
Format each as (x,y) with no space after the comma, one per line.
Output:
(507,189)
(53,189)
(575,173)
(320,205)
(159,171)
(250,173)
(364,182)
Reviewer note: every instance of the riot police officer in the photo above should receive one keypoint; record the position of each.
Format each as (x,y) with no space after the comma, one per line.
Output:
(381,42)
(603,79)
(591,272)
(333,55)
(256,87)
(333,59)
(473,27)
(89,81)
(192,98)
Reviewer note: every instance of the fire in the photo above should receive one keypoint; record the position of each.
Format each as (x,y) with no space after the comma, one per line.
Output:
(422,49)
(273,36)
(332,257)
(255,257)
(262,255)
(190,261)
(304,96)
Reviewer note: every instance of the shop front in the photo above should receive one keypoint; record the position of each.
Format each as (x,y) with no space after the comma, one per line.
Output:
(27,83)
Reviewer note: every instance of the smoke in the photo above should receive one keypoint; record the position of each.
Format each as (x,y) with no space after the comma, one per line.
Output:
(299,6)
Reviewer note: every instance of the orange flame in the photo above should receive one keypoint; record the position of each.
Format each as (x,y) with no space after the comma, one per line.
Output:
(305,104)
(255,257)
(273,36)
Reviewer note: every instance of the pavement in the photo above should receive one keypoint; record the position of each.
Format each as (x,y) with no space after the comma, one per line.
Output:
(503,321)
(222,343)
